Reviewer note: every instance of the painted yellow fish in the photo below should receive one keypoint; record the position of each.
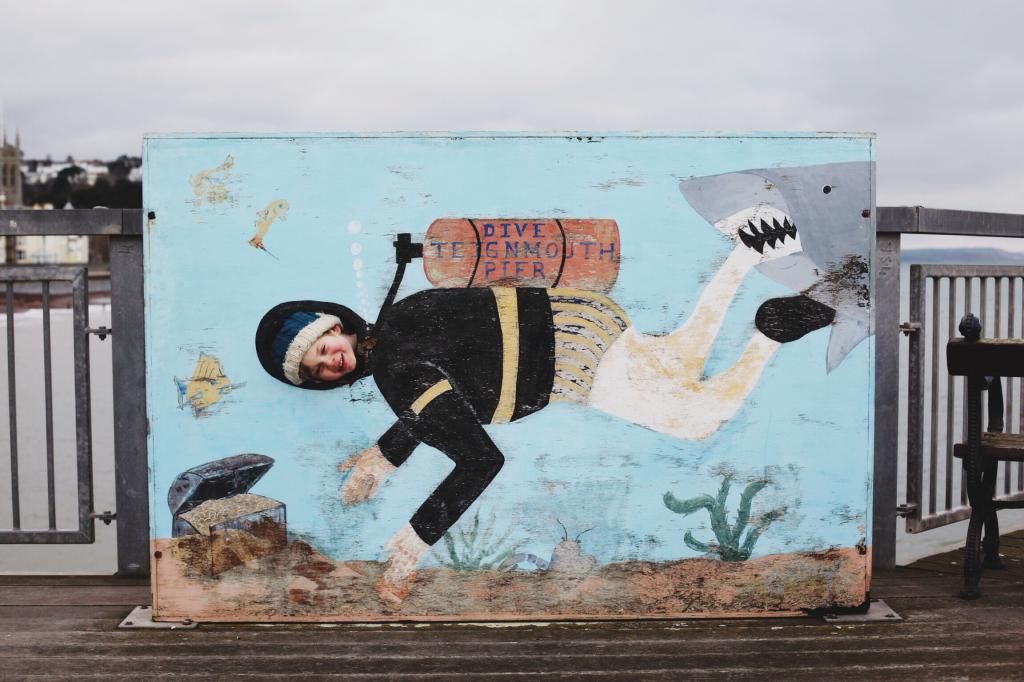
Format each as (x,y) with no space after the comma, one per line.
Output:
(206,387)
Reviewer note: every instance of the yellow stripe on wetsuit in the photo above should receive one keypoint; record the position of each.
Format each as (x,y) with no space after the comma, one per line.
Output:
(508,319)
(428,395)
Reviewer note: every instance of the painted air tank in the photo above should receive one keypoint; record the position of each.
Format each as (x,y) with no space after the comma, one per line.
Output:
(582,253)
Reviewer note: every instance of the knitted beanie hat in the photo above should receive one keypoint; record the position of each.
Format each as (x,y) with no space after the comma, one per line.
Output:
(287,331)
(296,335)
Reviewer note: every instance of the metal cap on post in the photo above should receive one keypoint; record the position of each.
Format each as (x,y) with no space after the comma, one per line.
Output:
(970,327)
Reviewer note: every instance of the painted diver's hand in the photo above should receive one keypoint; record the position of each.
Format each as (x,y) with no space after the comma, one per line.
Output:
(368,469)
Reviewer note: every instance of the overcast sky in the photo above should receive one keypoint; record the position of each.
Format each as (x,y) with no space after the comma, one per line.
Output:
(941,83)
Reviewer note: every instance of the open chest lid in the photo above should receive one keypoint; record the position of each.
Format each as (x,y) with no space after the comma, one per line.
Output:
(215,480)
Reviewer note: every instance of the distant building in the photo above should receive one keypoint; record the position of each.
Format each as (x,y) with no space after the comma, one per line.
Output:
(45,184)
(10,185)
(82,172)
(10,172)
(33,249)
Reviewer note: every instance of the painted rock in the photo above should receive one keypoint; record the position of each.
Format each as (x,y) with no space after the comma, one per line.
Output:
(527,252)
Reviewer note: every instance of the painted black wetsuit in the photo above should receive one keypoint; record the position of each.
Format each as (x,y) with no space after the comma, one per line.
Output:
(448,361)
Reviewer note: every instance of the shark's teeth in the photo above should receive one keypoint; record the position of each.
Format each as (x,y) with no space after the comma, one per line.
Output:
(779,230)
(754,240)
(789,227)
(769,235)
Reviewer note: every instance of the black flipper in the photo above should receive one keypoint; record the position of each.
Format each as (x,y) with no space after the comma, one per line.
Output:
(787,319)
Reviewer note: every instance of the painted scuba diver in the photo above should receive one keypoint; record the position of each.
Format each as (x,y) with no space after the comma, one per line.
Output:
(449,361)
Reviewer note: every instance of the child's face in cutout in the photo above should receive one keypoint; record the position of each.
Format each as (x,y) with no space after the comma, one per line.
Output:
(331,357)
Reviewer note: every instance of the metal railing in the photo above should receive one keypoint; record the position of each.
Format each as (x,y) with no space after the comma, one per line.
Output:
(124,227)
(44,275)
(939,296)
(891,224)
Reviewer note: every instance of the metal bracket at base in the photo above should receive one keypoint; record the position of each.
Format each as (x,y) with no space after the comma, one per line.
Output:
(141,618)
(878,612)
(905,510)
(106,517)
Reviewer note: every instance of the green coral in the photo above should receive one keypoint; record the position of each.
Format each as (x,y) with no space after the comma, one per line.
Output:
(474,550)
(731,545)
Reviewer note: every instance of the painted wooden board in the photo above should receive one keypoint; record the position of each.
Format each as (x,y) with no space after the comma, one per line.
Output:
(620,375)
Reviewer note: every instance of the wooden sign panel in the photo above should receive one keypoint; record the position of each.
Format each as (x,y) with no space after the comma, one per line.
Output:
(508,376)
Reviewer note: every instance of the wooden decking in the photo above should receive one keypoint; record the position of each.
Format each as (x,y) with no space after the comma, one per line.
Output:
(66,628)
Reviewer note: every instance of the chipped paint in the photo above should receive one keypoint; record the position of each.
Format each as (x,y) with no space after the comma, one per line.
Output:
(609,185)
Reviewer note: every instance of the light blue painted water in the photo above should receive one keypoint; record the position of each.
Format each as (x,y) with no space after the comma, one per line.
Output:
(207,289)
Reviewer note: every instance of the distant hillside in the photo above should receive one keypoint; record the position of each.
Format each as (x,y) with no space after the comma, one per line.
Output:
(962,256)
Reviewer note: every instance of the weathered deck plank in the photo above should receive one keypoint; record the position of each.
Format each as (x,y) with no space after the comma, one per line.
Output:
(103,595)
(53,628)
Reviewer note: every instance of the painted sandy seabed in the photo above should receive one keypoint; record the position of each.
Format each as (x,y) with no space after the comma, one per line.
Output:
(300,584)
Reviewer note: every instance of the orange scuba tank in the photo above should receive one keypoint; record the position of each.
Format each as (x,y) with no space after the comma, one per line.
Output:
(581,253)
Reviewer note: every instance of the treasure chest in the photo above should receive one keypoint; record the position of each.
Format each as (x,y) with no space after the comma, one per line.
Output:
(218,521)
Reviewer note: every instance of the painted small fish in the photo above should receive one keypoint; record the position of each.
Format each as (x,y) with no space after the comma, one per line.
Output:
(274,211)
(210,185)
(207,386)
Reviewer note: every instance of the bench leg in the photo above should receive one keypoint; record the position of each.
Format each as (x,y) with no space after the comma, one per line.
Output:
(980,489)
(972,554)
(990,545)
(976,490)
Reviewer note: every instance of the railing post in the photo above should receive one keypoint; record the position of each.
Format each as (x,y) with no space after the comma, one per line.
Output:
(887,373)
(129,375)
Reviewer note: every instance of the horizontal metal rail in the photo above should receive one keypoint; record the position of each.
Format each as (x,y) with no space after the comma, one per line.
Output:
(126,226)
(76,221)
(129,221)
(891,220)
(921,220)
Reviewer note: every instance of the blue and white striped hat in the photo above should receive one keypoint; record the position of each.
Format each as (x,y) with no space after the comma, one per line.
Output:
(288,330)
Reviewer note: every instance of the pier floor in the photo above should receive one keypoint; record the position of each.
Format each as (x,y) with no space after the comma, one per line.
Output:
(66,628)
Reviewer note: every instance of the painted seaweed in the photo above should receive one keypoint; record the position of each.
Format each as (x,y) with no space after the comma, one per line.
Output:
(474,549)
(731,543)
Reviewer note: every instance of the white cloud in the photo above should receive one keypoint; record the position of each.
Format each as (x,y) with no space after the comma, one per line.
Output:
(942,86)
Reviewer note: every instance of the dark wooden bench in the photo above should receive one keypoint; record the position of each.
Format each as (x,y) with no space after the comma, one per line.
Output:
(983,362)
